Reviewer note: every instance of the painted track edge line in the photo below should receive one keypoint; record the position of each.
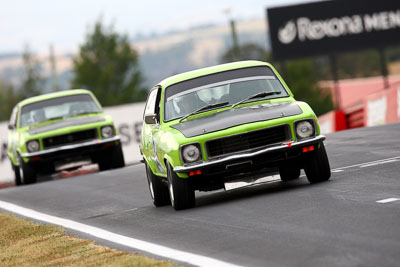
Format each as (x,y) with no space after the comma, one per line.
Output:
(151,248)
(370,162)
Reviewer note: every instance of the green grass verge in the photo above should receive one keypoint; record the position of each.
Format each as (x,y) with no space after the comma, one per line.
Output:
(25,243)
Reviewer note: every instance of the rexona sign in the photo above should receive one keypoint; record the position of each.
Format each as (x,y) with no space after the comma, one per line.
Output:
(333,26)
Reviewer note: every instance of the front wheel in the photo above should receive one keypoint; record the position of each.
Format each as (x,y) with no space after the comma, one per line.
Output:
(28,174)
(317,166)
(17,174)
(112,159)
(289,173)
(118,160)
(181,192)
(158,190)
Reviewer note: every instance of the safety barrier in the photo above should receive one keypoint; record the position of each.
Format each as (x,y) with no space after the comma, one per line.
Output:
(382,107)
(332,121)
(374,109)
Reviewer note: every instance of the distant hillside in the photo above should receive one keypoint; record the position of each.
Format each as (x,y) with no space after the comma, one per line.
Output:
(163,56)
(160,56)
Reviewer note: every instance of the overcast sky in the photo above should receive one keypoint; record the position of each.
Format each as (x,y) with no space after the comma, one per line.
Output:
(64,24)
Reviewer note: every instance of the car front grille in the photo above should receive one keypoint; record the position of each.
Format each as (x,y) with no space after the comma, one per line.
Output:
(247,141)
(70,138)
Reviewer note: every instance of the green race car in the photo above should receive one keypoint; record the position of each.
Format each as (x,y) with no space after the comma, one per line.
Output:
(205,128)
(61,131)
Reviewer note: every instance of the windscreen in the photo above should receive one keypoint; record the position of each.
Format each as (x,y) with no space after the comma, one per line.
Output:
(57,108)
(228,87)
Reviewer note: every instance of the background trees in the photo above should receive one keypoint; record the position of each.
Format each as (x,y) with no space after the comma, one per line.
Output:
(108,66)
(31,84)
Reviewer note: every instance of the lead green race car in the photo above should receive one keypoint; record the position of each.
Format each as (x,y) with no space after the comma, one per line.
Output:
(205,128)
(61,131)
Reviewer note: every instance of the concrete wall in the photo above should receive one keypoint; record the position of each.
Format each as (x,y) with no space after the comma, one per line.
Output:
(127,118)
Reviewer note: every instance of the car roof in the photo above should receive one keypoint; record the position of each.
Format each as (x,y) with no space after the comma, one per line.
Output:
(205,71)
(53,95)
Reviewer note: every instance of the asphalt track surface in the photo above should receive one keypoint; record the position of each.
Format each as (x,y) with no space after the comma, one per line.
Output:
(335,223)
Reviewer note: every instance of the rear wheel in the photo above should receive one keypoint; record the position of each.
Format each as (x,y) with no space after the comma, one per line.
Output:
(180,191)
(288,174)
(317,166)
(158,190)
(27,173)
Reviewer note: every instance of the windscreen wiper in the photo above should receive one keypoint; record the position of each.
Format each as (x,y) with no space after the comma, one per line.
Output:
(82,113)
(51,119)
(258,95)
(209,106)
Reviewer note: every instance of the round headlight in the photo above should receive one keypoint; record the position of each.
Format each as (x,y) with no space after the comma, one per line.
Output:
(107,131)
(304,129)
(190,153)
(33,146)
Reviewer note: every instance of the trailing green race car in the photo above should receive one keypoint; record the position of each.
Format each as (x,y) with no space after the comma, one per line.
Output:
(60,131)
(207,127)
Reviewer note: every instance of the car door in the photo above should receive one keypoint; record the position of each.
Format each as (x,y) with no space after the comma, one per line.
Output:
(151,131)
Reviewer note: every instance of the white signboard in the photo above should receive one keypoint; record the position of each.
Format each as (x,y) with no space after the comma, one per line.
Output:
(6,174)
(376,111)
(326,126)
(398,103)
(128,121)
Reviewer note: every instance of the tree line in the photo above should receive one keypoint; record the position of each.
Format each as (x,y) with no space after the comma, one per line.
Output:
(106,64)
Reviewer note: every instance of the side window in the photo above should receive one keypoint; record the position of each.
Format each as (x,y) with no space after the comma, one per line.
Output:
(13,119)
(157,105)
(151,103)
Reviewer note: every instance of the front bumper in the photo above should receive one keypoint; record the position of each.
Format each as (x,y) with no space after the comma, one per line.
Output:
(69,148)
(247,155)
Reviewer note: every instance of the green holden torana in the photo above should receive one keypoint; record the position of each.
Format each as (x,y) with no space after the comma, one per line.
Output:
(205,128)
(61,131)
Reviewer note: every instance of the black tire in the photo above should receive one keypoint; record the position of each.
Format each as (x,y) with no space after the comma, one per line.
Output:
(17,174)
(288,174)
(104,163)
(118,160)
(112,159)
(180,191)
(317,166)
(158,190)
(29,175)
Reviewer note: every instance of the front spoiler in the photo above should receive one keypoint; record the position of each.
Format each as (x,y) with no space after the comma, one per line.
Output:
(244,155)
(71,147)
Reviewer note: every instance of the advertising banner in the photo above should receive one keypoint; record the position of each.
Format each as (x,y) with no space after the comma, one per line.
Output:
(332,26)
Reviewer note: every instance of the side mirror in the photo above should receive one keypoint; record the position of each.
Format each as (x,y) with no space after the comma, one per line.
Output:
(11,127)
(150,119)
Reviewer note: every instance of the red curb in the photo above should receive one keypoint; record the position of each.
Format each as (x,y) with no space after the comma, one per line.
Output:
(5,185)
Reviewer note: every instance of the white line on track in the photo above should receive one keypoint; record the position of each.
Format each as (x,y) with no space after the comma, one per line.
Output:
(151,248)
(378,163)
(387,200)
(116,238)
(371,163)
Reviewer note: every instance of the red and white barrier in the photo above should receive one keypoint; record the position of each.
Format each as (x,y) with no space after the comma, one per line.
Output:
(382,107)
(332,122)
(377,108)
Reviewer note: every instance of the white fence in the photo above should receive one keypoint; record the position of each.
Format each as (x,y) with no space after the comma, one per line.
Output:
(127,118)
